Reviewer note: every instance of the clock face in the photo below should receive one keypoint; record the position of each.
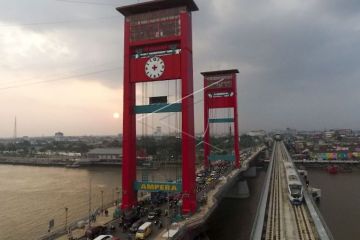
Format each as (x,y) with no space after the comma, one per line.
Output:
(154,67)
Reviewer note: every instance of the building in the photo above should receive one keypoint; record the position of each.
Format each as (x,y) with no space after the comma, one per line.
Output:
(157,132)
(291,131)
(105,154)
(344,132)
(329,134)
(59,136)
(257,133)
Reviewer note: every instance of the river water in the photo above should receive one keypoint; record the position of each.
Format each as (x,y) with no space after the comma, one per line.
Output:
(340,201)
(236,215)
(31,196)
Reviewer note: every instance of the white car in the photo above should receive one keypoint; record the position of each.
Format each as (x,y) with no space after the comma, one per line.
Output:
(105,237)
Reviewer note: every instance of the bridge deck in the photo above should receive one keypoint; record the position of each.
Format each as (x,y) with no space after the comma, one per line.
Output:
(213,197)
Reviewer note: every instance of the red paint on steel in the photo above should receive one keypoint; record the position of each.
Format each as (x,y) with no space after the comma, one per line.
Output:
(147,35)
(206,140)
(223,85)
(188,132)
(129,195)
(236,126)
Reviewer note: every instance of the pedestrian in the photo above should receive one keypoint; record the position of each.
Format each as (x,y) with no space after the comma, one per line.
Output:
(70,237)
(112,227)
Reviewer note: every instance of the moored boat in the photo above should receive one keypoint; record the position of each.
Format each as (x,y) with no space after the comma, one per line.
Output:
(332,169)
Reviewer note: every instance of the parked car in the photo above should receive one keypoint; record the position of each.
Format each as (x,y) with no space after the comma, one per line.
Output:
(93,232)
(158,197)
(144,231)
(201,174)
(130,218)
(106,237)
(154,214)
(135,226)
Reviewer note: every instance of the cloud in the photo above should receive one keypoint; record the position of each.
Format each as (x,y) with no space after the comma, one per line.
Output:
(294,60)
(297,59)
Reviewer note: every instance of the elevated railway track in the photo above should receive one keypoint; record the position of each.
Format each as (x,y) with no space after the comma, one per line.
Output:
(284,211)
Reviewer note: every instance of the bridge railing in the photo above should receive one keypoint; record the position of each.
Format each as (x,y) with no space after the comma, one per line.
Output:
(256,232)
(62,230)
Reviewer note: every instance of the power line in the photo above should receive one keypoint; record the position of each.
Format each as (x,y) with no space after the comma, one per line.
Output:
(4,83)
(60,79)
(60,22)
(96,3)
(88,3)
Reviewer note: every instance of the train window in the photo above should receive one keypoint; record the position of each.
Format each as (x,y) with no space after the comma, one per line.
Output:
(292,178)
(295,189)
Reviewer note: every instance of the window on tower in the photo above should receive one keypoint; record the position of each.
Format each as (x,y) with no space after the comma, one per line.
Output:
(155,25)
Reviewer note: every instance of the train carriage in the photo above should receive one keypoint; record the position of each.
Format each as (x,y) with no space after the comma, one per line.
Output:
(295,187)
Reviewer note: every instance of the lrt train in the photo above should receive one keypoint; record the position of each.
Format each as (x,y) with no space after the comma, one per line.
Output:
(294,185)
(277,137)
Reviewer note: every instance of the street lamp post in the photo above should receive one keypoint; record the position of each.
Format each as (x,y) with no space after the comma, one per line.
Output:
(118,194)
(66,217)
(169,219)
(90,202)
(113,195)
(102,201)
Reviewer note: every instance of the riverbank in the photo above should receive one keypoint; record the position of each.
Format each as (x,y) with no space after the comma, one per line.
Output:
(31,161)
(76,162)
(78,227)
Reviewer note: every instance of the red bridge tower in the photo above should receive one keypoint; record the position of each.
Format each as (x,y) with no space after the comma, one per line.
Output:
(220,92)
(158,47)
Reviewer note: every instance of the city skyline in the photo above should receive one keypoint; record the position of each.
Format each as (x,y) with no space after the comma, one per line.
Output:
(61,67)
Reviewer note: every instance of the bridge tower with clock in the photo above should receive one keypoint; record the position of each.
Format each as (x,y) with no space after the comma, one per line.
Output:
(221,93)
(158,47)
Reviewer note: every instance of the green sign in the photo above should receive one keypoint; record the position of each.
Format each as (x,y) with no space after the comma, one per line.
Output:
(158,186)
(213,157)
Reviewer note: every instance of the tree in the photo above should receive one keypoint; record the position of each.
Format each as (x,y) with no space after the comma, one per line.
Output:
(247,141)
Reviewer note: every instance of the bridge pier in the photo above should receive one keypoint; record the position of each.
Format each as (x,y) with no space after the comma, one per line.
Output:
(240,190)
(267,154)
(251,172)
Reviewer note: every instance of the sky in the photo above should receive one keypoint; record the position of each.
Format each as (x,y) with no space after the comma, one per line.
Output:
(61,63)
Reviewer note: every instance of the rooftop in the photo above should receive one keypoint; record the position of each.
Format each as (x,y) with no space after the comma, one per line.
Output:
(106,151)
(220,72)
(156,5)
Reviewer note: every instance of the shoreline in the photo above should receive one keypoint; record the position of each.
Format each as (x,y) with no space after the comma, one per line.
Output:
(72,164)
